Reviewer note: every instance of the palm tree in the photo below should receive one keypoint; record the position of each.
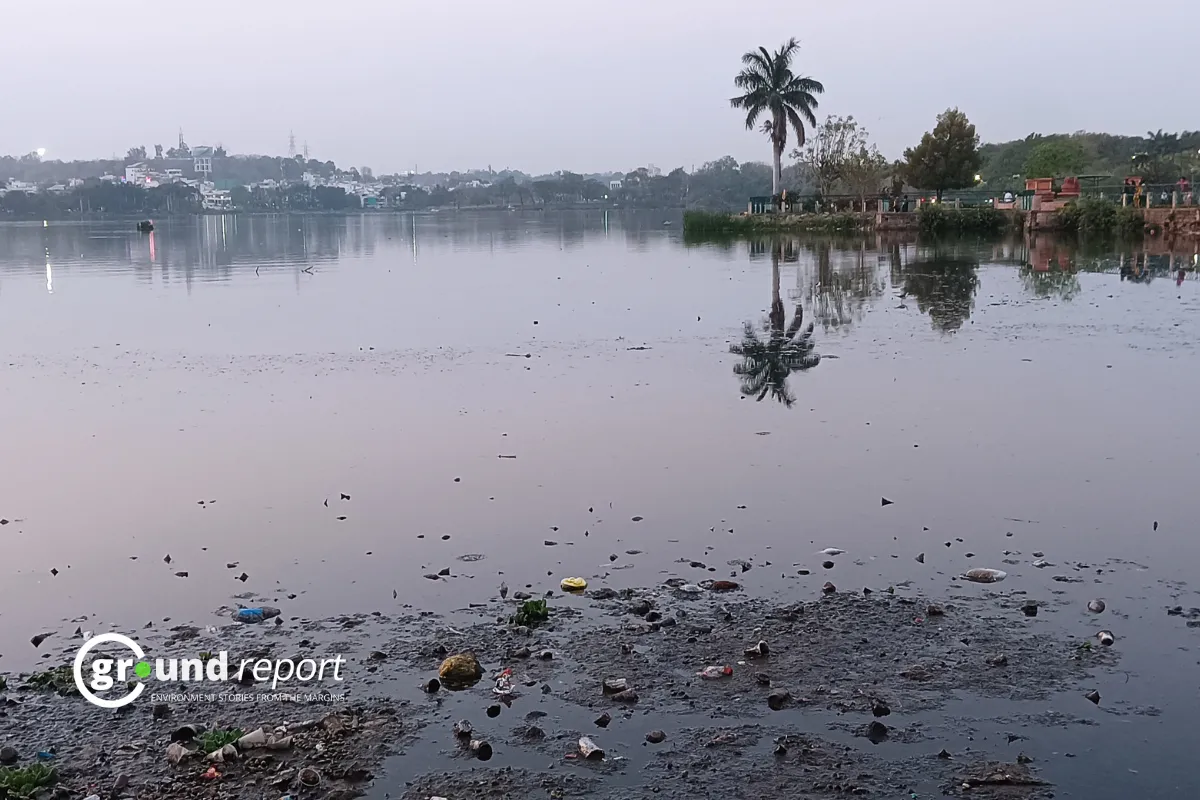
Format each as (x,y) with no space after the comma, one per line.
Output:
(770,87)
(768,362)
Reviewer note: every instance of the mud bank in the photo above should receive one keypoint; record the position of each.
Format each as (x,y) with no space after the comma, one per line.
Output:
(861,694)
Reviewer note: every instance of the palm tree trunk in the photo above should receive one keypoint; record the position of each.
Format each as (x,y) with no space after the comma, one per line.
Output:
(776,169)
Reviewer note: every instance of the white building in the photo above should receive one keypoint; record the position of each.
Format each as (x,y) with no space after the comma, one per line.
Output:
(21,186)
(614,185)
(216,200)
(137,173)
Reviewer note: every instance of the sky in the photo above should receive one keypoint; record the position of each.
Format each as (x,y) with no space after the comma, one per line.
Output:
(541,85)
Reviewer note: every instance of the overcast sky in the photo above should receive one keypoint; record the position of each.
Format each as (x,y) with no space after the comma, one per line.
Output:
(540,85)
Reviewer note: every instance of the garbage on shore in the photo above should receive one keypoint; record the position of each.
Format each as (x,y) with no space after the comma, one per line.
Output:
(253,615)
(573,584)
(461,669)
(590,750)
(984,575)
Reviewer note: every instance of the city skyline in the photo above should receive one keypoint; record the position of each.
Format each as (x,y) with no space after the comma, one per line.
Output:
(547,86)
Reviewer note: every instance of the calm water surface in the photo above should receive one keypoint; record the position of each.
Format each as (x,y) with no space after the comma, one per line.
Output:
(265,365)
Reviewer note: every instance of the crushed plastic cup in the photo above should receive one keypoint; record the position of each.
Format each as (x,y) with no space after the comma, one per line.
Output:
(256,738)
(481,749)
(1105,638)
(590,750)
(715,672)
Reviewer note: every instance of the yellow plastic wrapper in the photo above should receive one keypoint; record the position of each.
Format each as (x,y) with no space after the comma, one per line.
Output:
(573,584)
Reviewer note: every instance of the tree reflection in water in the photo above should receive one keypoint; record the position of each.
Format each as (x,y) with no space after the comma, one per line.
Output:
(943,282)
(768,361)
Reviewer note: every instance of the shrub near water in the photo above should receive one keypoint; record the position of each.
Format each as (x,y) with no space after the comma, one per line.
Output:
(1099,217)
(936,218)
(708,222)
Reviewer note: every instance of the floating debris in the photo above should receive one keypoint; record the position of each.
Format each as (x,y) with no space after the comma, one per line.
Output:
(984,575)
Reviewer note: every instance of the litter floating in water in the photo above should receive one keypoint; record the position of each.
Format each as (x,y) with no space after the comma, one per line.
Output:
(983,575)
(573,584)
(460,669)
(590,750)
(832,551)
(252,615)
(1096,606)
(715,672)
(1105,638)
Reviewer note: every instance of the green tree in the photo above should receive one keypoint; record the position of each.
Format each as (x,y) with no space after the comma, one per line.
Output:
(136,153)
(768,362)
(769,86)
(1056,158)
(947,157)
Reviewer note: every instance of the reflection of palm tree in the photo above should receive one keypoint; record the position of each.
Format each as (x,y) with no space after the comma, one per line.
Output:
(944,287)
(768,362)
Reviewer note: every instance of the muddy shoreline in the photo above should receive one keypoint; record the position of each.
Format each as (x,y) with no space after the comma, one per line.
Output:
(858,694)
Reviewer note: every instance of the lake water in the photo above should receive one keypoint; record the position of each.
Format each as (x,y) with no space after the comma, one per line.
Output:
(266,365)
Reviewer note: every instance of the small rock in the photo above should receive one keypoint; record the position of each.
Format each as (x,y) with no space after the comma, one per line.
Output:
(944,754)
(546,655)
(1030,607)
(998,661)
(933,610)
(762,679)
(641,608)
(8,754)
(493,710)
(1094,696)
(880,708)
(1096,606)
(626,696)
(778,698)
(877,732)
(603,720)
(828,588)
(160,711)
(432,685)
(656,737)
(827,564)
(521,652)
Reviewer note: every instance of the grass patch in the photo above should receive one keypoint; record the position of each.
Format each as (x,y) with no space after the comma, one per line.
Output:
(938,219)
(215,740)
(24,782)
(531,613)
(703,226)
(701,222)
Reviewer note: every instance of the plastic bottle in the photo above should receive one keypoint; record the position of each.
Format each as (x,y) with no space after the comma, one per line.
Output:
(715,672)
(255,614)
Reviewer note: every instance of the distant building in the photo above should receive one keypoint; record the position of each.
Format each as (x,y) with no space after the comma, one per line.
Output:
(202,161)
(614,185)
(216,200)
(137,173)
(21,186)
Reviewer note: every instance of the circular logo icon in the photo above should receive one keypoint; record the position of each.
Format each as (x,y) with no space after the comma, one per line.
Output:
(142,669)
